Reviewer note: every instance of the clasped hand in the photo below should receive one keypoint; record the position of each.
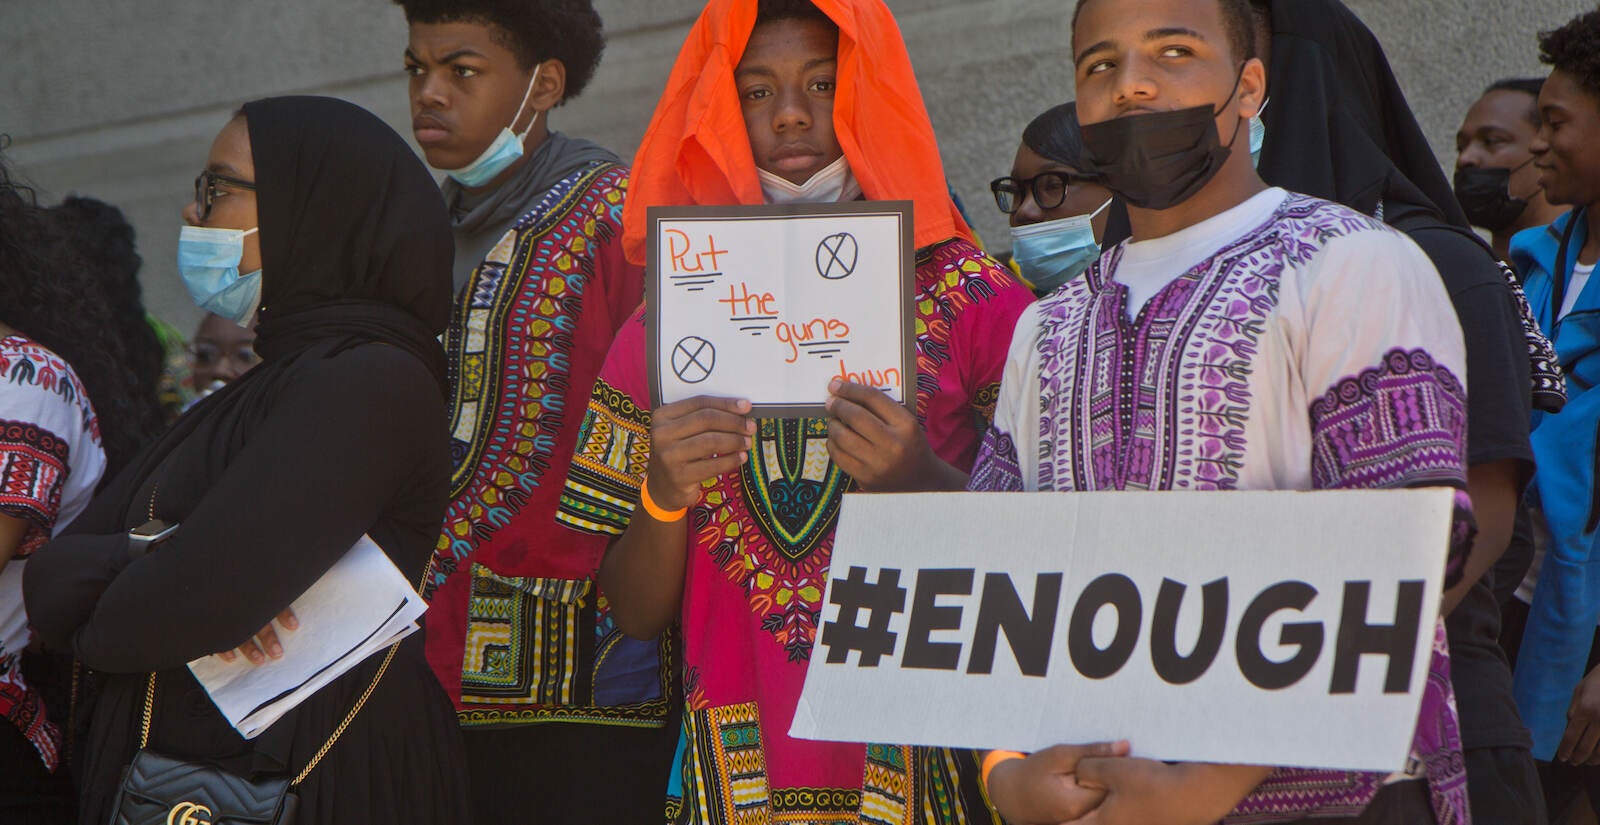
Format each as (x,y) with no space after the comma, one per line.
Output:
(1102,785)
(265,644)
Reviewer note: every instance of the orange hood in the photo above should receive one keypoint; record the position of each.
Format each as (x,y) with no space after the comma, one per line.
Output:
(697,152)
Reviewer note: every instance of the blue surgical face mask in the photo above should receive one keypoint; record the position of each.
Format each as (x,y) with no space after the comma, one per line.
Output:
(1258,134)
(1054,252)
(208,262)
(504,151)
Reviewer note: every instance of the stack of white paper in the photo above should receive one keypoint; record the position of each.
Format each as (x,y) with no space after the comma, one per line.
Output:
(360,606)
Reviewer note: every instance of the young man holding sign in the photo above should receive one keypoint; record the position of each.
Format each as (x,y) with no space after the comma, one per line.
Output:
(733,528)
(1246,338)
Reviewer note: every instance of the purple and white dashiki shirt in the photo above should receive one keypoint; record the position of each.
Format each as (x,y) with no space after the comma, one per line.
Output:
(1286,344)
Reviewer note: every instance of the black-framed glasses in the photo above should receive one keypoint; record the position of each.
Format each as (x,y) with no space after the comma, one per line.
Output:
(205,189)
(207,355)
(1049,191)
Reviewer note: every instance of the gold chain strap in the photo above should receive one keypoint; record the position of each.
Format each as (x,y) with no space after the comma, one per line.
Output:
(149,705)
(150,688)
(348,718)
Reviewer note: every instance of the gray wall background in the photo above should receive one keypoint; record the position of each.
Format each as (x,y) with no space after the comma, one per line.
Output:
(120,101)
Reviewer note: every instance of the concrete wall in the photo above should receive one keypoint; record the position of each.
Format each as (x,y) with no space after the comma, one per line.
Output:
(121,100)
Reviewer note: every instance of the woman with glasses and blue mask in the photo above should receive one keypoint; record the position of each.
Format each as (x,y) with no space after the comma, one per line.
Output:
(1058,214)
(316,218)
(1057,217)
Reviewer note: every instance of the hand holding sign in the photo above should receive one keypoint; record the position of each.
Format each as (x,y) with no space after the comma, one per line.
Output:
(881,445)
(1145,790)
(1043,789)
(693,441)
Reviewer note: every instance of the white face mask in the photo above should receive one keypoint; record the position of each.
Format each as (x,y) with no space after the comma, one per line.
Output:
(831,184)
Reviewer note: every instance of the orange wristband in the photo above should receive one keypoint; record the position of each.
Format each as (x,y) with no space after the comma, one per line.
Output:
(655,510)
(993,758)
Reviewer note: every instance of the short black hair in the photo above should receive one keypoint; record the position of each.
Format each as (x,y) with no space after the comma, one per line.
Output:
(768,11)
(1530,86)
(534,30)
(1237,15)
(1575,50)
(1056,135)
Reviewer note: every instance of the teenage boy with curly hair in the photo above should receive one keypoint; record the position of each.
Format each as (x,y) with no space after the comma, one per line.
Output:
(564,719)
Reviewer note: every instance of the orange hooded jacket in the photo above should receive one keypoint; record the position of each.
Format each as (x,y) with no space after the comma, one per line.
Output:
(697,151)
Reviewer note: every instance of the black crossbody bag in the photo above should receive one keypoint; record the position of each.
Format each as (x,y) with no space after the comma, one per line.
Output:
(162,790)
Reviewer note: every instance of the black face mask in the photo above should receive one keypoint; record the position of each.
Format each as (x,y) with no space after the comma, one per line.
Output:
(1485,195)
(1160,160)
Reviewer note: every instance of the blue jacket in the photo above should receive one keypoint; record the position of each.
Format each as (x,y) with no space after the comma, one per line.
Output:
(1566,604)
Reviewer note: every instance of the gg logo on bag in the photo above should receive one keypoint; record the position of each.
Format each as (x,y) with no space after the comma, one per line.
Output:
(188,813)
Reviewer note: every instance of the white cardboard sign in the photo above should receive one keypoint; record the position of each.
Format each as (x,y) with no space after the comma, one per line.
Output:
(770,303)
(1020,621)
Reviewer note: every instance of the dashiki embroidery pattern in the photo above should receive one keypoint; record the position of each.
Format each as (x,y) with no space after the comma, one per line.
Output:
(759,545)
(529,333)
(1393,425)
(50,462)
(1549,379)
(1222,382)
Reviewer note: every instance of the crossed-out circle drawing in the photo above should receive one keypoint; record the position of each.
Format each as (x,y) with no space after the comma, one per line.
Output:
(693,359)
(837,256)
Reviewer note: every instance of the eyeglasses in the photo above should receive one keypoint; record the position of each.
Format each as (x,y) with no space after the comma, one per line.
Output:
(1049,191)
(205,190)
(208,356)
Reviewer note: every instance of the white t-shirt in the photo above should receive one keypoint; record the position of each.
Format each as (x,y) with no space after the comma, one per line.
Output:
(1147,267)
(1580,279)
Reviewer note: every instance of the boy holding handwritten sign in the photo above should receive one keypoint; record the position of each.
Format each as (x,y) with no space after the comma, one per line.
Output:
(725,522)
(1246,338)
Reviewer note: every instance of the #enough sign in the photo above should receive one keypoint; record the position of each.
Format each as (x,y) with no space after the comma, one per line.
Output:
(1268,628)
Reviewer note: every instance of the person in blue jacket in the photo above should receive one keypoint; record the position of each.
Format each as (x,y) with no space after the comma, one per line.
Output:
(1560,705)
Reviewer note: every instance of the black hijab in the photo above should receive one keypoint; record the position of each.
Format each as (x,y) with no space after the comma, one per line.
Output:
(355,248)
(355,241)
(1338,126)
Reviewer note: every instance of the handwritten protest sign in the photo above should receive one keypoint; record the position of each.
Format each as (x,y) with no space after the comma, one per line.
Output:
(770,303)
(1289,629)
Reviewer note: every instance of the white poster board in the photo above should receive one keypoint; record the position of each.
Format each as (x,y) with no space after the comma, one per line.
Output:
(1020,621)
(770,303)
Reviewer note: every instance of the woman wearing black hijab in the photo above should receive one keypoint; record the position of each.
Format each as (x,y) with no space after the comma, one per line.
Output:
(339,432)
(1339,128)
